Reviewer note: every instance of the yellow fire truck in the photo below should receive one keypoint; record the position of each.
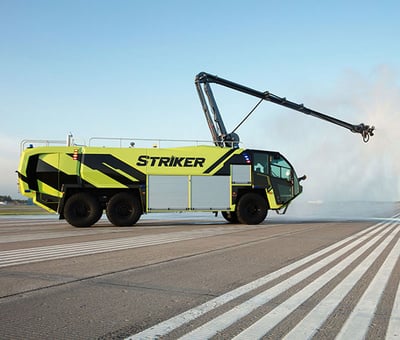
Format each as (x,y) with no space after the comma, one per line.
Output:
(80,182)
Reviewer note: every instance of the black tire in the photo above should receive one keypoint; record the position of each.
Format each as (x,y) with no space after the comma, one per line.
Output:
(123,209)
(251,209)
(230,216)
(82,210)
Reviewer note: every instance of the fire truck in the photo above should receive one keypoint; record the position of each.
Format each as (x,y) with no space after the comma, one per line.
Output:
(81,182)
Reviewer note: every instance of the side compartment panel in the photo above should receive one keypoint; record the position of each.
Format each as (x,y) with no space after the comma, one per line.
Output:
(210,192)
(168,192)
(241,174)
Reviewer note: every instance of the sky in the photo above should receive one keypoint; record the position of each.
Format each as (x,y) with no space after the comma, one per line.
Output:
(126,69)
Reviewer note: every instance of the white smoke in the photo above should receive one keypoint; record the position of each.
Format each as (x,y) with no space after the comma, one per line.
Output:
(344,168)
(338,165)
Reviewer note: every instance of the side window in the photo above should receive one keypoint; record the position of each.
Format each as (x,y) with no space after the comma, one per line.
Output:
(260,163)
(280,168)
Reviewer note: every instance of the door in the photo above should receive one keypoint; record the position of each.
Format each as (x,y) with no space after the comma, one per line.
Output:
(272,170)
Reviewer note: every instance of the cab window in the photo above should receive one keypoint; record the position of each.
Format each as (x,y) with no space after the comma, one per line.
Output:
(261,163)
(280,167)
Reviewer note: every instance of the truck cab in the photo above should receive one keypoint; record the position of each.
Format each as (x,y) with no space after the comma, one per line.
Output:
(273,171)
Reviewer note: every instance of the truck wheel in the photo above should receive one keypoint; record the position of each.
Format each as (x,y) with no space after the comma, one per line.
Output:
(251,209)
(82,210)
(123,209)
(230,216)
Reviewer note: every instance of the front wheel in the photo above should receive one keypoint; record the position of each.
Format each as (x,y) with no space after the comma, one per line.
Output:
(82,210)
(123,209)
(251,209)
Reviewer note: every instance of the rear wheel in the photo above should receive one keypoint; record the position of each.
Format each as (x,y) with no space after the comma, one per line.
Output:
(82,210)
(251,209)
(123,209)
(230,216)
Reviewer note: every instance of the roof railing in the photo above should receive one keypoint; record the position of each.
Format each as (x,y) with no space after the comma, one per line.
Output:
(144,142)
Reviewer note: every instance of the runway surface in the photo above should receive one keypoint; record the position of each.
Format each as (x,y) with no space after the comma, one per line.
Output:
(322,272)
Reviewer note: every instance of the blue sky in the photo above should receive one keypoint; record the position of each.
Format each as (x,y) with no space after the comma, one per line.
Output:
(127,68)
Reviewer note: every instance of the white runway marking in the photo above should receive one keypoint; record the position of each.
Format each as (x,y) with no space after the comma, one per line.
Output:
(375,239)
(55,252)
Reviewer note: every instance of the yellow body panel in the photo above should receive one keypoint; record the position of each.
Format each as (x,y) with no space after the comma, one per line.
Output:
(68,164)
(121,168)
(163,161)
(99,179)
(54,156)
(272,201)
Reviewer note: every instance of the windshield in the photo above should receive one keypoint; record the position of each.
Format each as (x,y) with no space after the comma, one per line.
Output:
(272,164)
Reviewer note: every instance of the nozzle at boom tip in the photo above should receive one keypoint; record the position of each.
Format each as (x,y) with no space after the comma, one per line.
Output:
(365,130)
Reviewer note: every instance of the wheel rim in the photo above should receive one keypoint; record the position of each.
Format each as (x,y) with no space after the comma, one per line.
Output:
(253,209)
(123,210)
(81,210)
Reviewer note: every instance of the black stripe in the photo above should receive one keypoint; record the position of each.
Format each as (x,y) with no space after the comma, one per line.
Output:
(219,161)
(54,177)
(100,161)
(47,174)
(48,200)
(38,169)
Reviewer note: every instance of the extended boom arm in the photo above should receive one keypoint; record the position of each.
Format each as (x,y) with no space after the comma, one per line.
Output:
(218,131)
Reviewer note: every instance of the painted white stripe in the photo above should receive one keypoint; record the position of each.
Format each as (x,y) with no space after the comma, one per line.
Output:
(37,254)
(23,235)
(261,327)
(356,326)
(165,327)
(72,252)
(393,331)
(270,320)
(317,316)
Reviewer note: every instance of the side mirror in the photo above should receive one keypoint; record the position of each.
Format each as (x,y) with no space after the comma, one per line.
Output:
(302,178)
